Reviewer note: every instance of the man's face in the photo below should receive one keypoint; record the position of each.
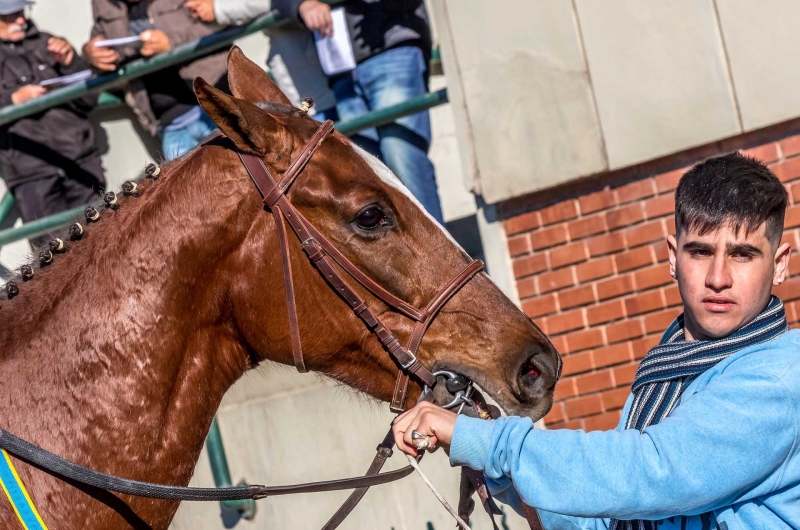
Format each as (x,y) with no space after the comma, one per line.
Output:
(725,278)
(13,26)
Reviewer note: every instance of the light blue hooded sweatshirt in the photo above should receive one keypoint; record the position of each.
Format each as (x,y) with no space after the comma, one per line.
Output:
(726,457)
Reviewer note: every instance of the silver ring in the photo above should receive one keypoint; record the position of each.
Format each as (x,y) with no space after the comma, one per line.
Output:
(424,441)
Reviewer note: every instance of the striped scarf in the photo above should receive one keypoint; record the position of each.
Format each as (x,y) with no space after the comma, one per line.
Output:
(668,369)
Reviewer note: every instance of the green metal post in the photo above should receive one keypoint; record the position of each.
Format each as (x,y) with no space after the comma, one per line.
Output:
(6,204)
(222,474)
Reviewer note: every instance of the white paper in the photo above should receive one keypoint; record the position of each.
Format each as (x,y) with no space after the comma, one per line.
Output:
(77,77)
(110,43)
(336,53)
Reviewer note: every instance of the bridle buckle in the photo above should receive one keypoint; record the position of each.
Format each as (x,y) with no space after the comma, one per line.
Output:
(411,362)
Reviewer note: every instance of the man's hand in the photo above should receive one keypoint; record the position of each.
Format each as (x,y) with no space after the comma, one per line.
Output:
(27,92)
(201,9)
(425,418)
(61,50)
(317,17)
(101,58)
(154,41)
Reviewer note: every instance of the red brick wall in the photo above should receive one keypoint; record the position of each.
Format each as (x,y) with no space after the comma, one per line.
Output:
(592,272)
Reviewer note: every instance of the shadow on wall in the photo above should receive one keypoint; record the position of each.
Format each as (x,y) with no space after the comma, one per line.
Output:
(118,113)
(465,231)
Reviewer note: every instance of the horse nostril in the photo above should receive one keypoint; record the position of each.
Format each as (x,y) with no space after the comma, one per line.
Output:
(531,379)
(528,369)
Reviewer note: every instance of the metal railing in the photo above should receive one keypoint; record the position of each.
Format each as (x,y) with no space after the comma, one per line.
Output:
(373,119)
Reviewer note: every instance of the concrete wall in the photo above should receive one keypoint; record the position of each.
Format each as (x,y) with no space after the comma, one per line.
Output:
(548,91)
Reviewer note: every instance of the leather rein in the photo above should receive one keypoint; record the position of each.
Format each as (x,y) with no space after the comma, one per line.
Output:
(322,254)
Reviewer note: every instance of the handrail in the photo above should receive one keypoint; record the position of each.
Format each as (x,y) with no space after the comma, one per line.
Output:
(6,205)
(373,119)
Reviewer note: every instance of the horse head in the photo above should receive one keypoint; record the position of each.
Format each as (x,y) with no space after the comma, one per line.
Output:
(370,217)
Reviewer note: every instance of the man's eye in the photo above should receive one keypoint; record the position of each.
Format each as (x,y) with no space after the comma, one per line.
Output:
(699,253)
(371,218)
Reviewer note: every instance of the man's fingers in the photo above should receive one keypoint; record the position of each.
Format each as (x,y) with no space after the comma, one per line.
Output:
(327,24)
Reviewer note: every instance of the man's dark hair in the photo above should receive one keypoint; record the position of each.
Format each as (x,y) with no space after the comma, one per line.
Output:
(731,189)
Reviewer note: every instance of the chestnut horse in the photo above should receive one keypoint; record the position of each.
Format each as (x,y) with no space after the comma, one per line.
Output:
(117,355)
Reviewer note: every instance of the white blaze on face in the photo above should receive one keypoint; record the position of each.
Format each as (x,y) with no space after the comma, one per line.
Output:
(386,175)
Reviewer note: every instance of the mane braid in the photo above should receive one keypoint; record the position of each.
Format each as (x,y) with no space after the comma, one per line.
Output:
(38,293)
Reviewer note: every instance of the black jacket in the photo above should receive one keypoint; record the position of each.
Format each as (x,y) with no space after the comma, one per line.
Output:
(52,142)
(379,25)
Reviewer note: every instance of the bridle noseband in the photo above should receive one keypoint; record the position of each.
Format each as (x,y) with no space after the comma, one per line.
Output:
(321,253)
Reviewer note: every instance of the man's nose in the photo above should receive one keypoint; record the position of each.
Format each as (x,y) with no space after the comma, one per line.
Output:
(718,277)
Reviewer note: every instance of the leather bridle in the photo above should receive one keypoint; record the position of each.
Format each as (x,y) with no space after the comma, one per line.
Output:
(322,254)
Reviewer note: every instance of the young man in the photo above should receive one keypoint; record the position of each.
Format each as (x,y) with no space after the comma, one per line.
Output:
(163,101)
(710,436)
(50,160)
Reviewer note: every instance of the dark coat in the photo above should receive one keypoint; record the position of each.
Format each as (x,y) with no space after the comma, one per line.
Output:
(52,142)
(379,25)
(169,16)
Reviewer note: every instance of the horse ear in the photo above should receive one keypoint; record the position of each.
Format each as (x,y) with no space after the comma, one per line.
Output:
(250,128)
(250,82)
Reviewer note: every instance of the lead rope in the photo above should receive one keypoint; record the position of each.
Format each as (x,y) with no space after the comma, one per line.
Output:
(462,398)
(459,521)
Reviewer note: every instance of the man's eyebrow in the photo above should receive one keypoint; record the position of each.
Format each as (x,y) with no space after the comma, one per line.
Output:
(694,246)
(743,248)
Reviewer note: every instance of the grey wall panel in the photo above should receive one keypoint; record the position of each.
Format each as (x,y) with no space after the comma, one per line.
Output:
(762,40)
(525,94)
(659,74)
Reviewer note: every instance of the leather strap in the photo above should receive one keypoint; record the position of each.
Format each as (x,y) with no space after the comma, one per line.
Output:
(532,516)
(384,452)
(430,312)
(288,287)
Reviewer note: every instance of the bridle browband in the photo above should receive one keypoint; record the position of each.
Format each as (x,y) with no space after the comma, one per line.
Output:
(321,253)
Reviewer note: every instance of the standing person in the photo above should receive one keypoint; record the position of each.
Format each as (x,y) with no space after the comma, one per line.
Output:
(392,47)
(163,101)
(292,59)
(51,161)
(710,436)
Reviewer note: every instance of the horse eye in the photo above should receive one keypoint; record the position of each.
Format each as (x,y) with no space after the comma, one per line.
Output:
(371,218)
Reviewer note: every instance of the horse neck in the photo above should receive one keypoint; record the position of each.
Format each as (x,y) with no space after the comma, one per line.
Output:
(128,335)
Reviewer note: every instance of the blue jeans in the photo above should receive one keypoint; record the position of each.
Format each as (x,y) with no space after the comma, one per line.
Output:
(326,114)
(179,138)
(387,79)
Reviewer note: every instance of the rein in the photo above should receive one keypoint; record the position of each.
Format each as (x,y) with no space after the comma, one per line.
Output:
(322,254)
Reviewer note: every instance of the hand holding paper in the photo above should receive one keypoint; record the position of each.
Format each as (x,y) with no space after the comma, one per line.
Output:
(336,51)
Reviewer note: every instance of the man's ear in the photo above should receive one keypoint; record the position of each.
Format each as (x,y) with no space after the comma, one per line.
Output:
(250,128)
(250,82)
(782,256)
(672,246)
